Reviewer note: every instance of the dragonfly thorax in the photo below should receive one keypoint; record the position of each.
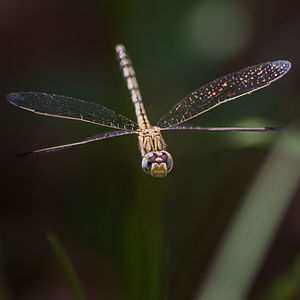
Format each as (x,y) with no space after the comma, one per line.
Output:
(150,139)
(156,161)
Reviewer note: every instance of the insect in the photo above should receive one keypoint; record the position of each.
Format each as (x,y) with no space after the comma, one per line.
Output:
(156,161)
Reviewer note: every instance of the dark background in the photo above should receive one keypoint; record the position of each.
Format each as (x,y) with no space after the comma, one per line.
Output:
(130,236)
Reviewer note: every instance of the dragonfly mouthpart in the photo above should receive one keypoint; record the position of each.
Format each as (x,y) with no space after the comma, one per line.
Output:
(157,163)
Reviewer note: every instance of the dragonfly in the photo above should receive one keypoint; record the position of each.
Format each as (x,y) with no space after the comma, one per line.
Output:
(155,161)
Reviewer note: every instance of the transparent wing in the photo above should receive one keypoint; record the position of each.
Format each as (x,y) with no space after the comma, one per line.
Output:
(253,129)
(95,138)
(70,108)
(224,89)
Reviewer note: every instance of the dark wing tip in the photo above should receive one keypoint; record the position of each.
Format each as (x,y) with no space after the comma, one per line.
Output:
(15,98)
(25,154)
(275,129)
(283,65)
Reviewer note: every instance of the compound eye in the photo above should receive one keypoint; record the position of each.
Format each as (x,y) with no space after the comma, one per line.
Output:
(167,158)
(147,164)
(151,156)
(163,155)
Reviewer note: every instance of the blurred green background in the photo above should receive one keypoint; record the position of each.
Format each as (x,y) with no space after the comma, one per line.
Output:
(130,236)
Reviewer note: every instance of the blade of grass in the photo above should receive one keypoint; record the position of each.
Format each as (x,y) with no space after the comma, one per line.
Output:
(66,265)
(252,230)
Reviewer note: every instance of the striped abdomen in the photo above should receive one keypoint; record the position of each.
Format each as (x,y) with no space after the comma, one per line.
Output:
(131,81)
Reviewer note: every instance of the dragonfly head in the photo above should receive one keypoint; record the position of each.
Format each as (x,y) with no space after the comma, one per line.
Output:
(157,163)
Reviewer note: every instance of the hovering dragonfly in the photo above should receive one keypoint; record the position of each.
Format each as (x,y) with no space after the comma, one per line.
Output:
(156,161)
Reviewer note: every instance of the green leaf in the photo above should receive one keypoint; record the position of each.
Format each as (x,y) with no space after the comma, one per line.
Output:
(66,265)
(252,230)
